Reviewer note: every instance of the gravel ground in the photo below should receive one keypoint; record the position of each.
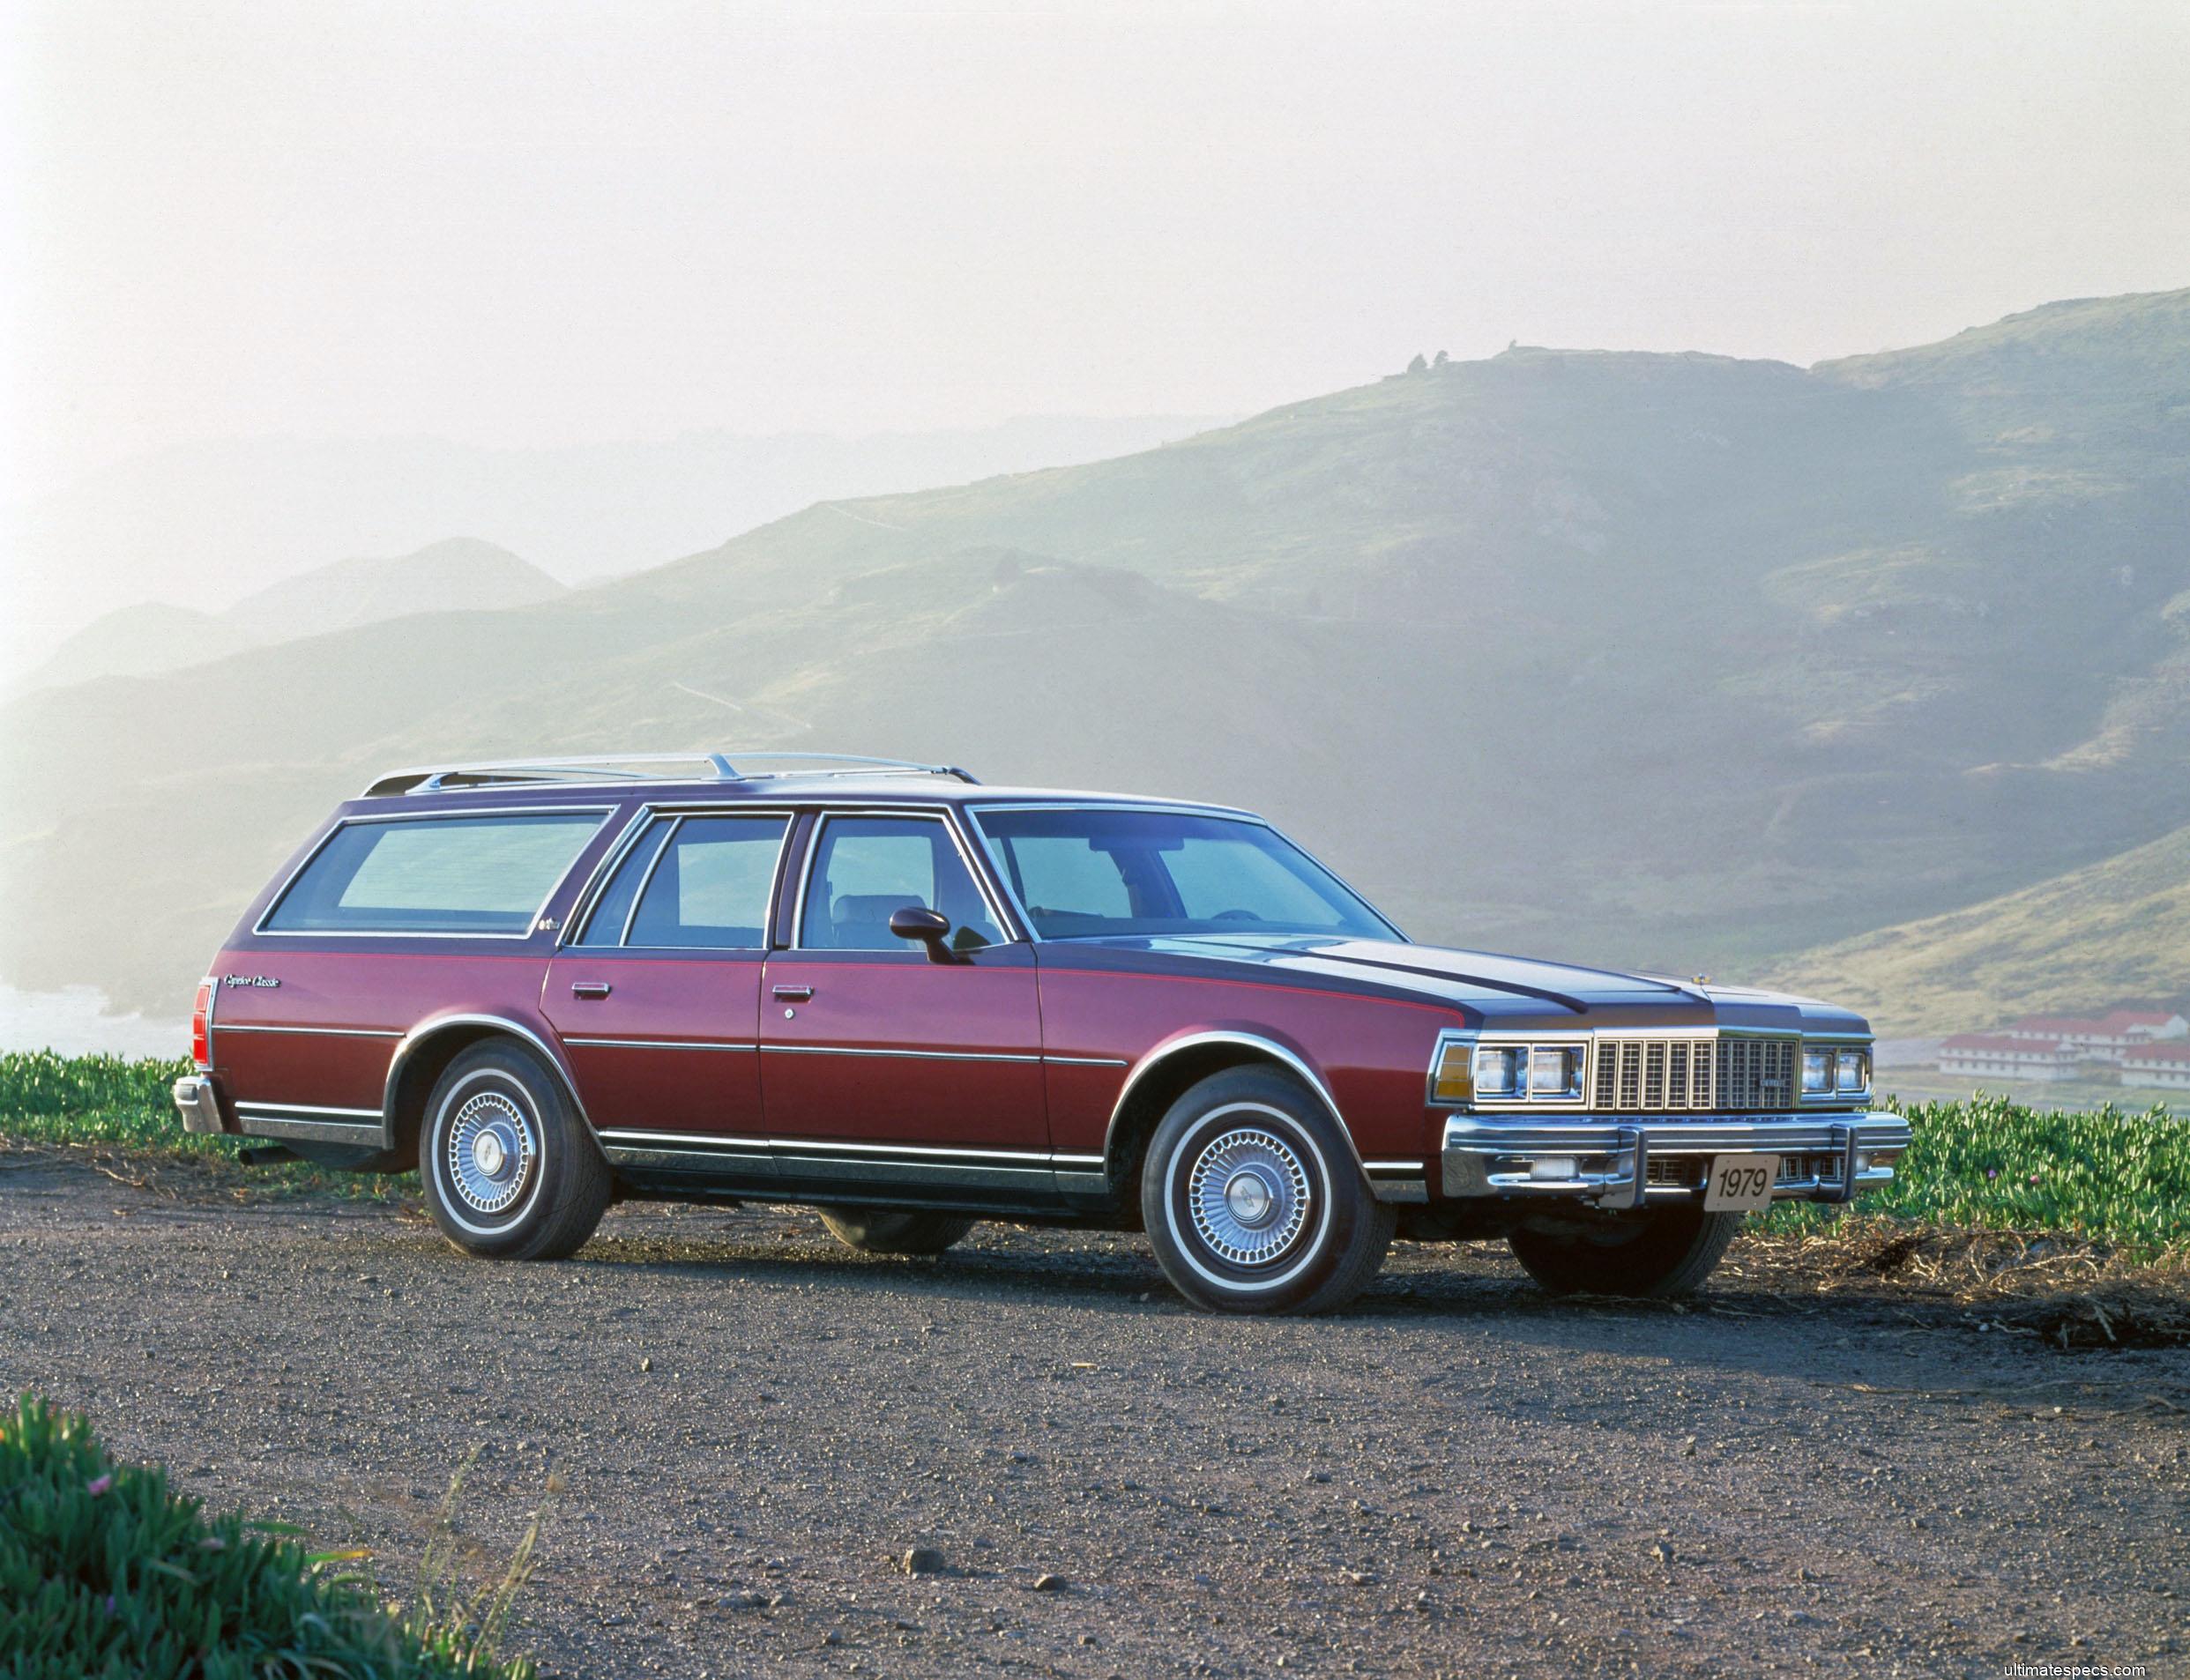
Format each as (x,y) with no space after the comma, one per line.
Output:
(1459,1476)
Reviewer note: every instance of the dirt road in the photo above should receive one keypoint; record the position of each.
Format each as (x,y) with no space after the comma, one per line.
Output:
(1459,1477)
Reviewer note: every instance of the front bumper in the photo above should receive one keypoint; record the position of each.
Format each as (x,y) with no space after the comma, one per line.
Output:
(199,1104)
(1627,1160)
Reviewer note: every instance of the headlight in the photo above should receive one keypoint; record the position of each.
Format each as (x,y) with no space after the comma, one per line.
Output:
(1496,1071)
(1854,1077)
(1554,1071)
(1817,1072)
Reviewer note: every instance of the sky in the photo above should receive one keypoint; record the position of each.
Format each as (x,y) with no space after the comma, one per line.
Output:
(561,223)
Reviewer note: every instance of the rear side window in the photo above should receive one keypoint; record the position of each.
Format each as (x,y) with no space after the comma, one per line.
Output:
(434,875)
(710,886)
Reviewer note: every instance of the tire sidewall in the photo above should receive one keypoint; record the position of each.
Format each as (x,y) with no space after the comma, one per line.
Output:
(519,1077)
(1222,1103)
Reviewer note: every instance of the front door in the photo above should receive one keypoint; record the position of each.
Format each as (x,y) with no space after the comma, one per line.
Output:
(879,1064)
(657,999)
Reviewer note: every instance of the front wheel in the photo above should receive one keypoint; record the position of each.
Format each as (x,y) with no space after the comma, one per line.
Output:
(1254,1201)
(1661,1252)
(509,1169)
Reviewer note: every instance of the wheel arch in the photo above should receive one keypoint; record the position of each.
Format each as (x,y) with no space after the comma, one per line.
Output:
(424,1054)
(1173,1067)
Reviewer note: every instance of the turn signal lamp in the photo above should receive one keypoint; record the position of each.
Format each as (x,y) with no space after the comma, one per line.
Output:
(1453,1082)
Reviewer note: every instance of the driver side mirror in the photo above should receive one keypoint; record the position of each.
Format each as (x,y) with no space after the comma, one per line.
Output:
(931,927)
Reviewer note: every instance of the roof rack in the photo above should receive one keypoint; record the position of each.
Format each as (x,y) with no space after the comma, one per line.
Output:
(643,766)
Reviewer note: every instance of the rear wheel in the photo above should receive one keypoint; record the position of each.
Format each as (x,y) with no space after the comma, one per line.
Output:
(1254,1201)
(1664,1252)
(892,1230)
(509,1169)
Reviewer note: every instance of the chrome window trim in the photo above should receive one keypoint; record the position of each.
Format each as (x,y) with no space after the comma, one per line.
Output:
(1170,1047)
(946,815)
(605,812)
(673,818)
(1220,813)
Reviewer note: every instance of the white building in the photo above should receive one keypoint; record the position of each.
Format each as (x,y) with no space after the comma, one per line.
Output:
(2165,1066)
(2103,1039)
(2009,1055)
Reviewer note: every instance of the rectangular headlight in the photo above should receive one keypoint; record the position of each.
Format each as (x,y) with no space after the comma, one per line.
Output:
(1817,1072)
(1554,1071)
(1854,1075)
(1496,1071)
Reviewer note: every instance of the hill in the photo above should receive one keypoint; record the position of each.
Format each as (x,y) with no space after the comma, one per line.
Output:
(2115,932)
(1668,660)
(458,575)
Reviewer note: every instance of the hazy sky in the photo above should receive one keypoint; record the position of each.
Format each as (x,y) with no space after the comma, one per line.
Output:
(549,222)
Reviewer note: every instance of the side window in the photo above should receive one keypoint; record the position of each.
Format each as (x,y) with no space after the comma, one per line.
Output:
(488,874)
(605,926)
(865,869)
(709,886)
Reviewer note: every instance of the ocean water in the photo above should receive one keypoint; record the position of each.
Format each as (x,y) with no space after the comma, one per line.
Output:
(76,1022)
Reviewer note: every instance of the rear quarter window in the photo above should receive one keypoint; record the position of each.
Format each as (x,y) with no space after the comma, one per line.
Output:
(434,875)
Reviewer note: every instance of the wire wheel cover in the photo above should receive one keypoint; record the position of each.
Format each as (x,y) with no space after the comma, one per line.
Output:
(1249,1197)
(492,1151)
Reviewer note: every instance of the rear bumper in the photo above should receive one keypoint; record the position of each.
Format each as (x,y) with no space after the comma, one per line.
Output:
(1627,1160)
(198,1103)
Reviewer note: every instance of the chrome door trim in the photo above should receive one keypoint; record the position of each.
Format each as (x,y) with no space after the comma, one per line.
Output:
(658,1044)
(1086,1061)
(277,1111)
(913,1055)
(319,1032)
(1164,1052)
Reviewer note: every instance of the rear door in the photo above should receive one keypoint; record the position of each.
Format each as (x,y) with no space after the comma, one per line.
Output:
(657,995)
(880,1063)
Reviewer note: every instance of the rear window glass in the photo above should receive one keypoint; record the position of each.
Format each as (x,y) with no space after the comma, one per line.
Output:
(434,875)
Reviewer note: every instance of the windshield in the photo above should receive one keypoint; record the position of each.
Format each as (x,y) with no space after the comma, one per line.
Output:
(1093,871)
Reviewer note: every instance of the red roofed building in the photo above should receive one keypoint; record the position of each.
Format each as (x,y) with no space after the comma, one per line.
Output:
(2165,1066)
(2004,1055)
(2104,1038)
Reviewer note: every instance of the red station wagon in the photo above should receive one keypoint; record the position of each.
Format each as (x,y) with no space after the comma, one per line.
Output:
(913,1002)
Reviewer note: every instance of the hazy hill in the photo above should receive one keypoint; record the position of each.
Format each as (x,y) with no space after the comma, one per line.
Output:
(458,575)
(210,523)
(2115,931)
(1672,659)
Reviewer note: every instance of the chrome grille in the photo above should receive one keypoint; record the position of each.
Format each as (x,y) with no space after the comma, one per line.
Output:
(1738,1075)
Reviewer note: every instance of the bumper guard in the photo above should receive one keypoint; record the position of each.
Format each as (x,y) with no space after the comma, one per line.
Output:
(196,1101)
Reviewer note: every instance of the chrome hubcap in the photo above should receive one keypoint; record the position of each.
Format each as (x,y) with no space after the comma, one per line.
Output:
(1249,1197)
(492,1152)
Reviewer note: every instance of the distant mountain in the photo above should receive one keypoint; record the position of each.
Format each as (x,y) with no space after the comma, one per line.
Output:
(458,574)
(1676,660)
(210,523)
(2115,932)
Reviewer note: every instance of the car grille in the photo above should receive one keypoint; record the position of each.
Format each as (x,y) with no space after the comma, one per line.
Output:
(1743,1075)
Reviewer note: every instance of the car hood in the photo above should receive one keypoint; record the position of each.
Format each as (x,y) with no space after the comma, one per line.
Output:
(1494,990)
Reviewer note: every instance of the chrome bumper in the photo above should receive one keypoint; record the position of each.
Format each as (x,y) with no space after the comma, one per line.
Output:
(1624,1161)
(195,1102)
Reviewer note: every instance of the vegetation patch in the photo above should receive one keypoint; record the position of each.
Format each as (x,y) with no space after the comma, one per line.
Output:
(105,1570)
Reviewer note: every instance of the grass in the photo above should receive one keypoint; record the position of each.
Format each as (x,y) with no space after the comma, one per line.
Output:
(117,1103)
(105,1571)
(2108,1176)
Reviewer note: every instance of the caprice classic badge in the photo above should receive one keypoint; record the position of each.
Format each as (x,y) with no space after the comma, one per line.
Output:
(913,1002)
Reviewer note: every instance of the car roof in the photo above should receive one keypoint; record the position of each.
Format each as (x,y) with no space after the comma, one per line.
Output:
(787,789)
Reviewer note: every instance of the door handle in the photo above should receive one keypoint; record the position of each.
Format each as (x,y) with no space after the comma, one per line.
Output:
(795,994)
(590,988)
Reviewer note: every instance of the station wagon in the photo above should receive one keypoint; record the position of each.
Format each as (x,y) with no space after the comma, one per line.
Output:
(913,1002)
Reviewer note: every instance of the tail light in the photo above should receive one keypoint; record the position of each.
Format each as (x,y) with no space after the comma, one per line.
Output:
(201,1024)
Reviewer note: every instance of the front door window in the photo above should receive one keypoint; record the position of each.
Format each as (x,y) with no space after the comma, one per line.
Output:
(868,868)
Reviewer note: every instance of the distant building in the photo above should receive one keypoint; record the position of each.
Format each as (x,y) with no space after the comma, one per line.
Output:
(2009,1055)
(2165,1066)
(2104,1038)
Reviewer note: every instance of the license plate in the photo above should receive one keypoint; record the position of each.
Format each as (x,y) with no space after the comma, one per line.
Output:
(1740,1184)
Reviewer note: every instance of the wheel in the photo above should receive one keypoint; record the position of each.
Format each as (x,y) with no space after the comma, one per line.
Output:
(1663,1252)
(894,1230)
(509,1169)
(1255,1203)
